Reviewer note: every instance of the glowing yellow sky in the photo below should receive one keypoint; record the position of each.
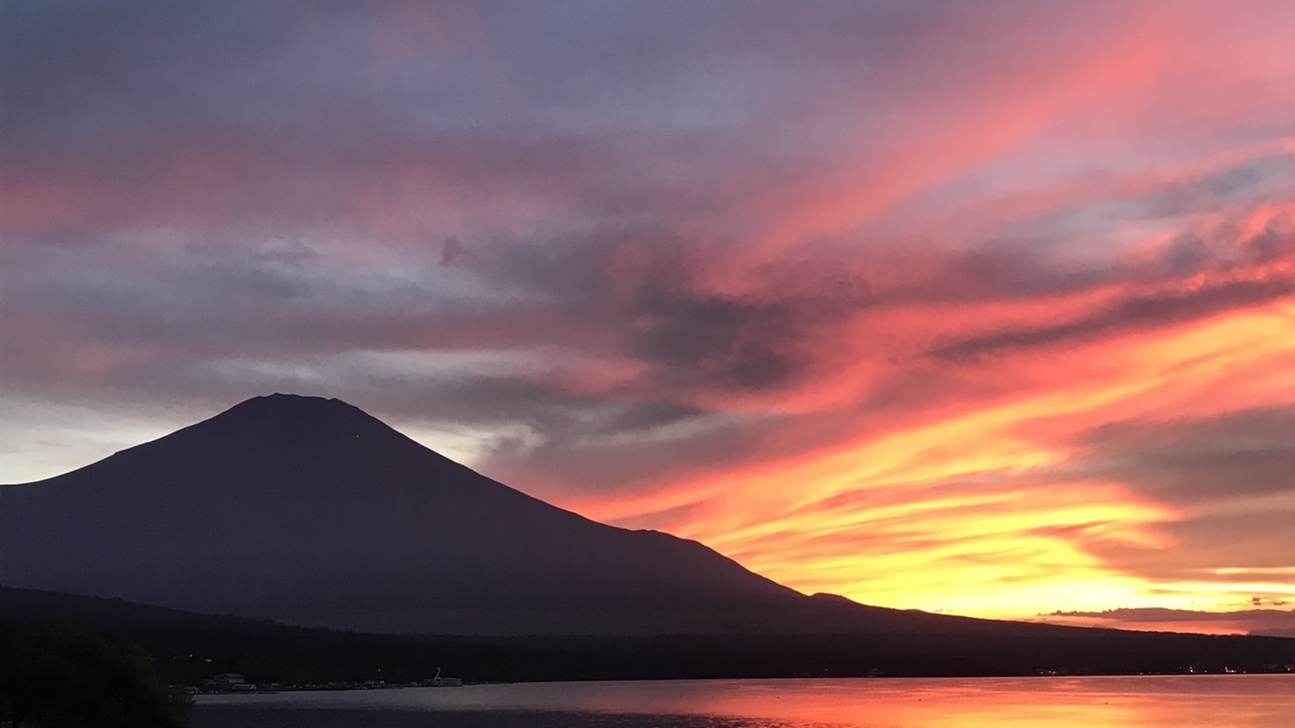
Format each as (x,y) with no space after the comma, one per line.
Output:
(976,512)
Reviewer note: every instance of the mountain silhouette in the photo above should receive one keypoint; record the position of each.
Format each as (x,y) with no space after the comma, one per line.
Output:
(311,511)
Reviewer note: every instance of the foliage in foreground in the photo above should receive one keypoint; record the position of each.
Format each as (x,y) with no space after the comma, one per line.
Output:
(53,678)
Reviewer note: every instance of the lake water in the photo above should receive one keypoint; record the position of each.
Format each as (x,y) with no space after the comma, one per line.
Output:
(1213,701)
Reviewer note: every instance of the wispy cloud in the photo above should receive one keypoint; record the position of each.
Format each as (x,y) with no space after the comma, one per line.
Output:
(985,307)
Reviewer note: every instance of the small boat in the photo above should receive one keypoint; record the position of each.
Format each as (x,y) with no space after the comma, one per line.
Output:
(444,682)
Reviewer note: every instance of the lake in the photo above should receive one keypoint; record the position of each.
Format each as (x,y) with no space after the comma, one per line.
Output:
(1216,701)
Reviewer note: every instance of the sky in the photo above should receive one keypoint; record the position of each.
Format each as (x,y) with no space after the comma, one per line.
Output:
(977,307)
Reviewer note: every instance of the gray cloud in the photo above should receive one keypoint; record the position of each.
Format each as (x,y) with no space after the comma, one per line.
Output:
(1233,260)
(1256,621)
(1134,312)
(1216,473)
(451,250)
(1196,461)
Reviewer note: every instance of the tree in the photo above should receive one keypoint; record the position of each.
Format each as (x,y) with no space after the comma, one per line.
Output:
(53,679)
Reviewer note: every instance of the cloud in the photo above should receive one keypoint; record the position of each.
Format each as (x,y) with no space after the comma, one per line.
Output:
(1252,621)
(887,299)
(1130,314)
(1189,279)
(451,250)
(1251,452)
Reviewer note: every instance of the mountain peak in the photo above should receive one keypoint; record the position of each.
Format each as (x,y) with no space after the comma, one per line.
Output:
(286,402)
(296,414)
(312,442)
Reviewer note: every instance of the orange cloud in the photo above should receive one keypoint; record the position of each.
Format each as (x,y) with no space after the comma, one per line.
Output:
(978,505)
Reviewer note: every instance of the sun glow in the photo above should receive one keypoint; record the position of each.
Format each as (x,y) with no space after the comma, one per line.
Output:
(990,511)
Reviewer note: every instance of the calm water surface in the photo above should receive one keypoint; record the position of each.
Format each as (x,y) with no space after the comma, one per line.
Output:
(1216,701)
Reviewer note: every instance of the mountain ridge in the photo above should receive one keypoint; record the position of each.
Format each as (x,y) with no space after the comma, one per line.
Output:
(311,512)
(332,514)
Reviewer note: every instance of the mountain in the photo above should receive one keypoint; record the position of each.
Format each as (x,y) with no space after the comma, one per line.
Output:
(311,511)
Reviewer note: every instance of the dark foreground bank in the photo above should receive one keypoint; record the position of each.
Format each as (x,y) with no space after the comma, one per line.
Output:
(189,648)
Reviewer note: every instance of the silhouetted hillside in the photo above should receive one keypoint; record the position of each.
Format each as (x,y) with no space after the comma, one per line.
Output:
(190,647)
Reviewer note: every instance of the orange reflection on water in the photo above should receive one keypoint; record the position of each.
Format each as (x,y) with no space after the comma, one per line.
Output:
(1180,701)
(1239,701)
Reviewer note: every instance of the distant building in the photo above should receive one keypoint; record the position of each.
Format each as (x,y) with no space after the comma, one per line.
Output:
(228,681)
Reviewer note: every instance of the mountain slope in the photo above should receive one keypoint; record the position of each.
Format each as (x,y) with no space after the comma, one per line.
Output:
(310,510)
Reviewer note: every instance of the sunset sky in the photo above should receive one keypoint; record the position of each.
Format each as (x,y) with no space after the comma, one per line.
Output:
(982,307)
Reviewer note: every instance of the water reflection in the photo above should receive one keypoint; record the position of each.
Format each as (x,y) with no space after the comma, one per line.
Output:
(309,718)
(1242,701)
